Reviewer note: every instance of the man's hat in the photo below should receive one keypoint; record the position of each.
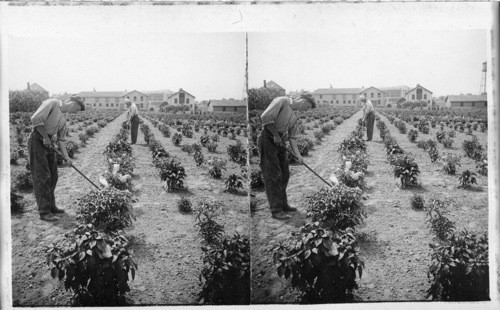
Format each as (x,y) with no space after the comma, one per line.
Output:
(127,101)
(309,97)
(362,97)
(78,100)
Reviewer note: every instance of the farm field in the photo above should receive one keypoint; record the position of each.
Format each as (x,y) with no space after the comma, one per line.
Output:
(166,243)
(393,238)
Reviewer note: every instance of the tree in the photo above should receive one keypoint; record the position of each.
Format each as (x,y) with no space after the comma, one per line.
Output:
(260,98)
(25,100)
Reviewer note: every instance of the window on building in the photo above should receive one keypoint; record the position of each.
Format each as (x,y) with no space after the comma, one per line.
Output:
(128,97)
(320,96)
(344,101)
(142,105)
(413,97)
(223,109)
(100,104)
(331,102)
(187,100)
(142,98)
(337,102)
(379,95)
(107,104)
(175,100)
(235,109)
(348,101)
(461,104)
(371,95)
(473,104)
(112,104)
(94,104)
(425,96)
(135,98)
(182,98)
(428,101)
(365,95)
(419,93)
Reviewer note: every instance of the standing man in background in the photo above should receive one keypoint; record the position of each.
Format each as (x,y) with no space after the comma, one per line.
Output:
(132,118)
(368,116)
(280,123)
(49,124)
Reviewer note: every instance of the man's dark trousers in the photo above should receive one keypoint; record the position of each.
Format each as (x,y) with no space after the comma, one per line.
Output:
(43,166)
(134,126)
(275,170)
(370,121)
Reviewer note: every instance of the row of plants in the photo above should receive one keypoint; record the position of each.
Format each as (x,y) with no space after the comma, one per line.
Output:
(459,268)
(321,259)
(94,260)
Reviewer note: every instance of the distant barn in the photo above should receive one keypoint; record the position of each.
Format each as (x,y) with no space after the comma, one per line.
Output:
(227,106)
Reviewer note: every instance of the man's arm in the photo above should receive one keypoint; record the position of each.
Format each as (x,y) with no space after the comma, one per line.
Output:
(295,149)
(43,132)
(62,147)
(272,128)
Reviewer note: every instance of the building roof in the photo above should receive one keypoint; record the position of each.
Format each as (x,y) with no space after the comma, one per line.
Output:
(474,98)
(418,85)
(102,94)
(395,88)
(36,87)
(330,91)
(227,103)
(181,90)
(272,84)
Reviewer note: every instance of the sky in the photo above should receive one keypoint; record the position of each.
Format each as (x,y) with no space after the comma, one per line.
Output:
(132,62)
(444,61)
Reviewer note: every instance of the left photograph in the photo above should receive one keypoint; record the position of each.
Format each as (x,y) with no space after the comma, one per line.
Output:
(128,169)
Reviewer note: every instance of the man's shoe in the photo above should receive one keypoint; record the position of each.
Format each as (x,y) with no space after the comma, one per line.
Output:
(49,217)
(289,209)
(57,210)
(281,215)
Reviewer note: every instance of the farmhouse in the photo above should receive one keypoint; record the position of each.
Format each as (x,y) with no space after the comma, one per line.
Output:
(113,99)
(379,96)
(274,86)
(227,106)
(157,98)
(37,88)
(466,101)
(180,98)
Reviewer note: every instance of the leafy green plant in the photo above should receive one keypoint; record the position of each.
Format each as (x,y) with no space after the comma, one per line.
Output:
(412,135)
(482,166)
(440,136)
(204,140)
(417,202)
(176,139)
(198,158)
(187,148)
(256,178)
(83,137)
(459,270)
(172,171)
(237,153)
(423,145)
(320,264)
(212,147)
(24,180)
(451,134)
(17,203)
(451,161)
(233,182)
(433,154)
(217,165)
(226,272)
(109,209)
(437,210)
(447,143)
(352,144)
(184,205)
(473,148)
(215,138)
(206,216)
(304,145)
(319,135)
(466,179)
(94,265)
(406,169)
(118,147)
(351,178)
(337,207)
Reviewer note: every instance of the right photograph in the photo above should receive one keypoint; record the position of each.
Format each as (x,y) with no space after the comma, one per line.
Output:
(369,166)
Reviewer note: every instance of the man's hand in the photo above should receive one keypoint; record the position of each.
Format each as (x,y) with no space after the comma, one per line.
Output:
(299,159)
(278,141)
(47,143)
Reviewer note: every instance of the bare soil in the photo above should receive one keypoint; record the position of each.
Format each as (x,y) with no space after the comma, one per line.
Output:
(396,247)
